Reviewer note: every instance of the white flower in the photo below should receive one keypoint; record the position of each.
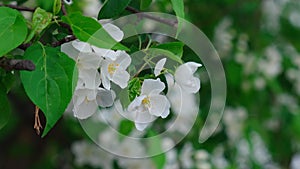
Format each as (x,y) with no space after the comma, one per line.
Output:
(114,69)
(183,105)
(184,77)
(85,104)
(149,104)
(159,66)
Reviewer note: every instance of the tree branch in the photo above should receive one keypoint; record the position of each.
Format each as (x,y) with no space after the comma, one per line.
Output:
(16,64)
(65,40)
(172,23)
(63,7)
(19,8)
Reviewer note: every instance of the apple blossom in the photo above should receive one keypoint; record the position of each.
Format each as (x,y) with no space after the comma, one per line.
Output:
(149,104)
(184,77)
(114,69)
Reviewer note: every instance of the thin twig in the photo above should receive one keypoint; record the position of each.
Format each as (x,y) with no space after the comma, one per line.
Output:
(172,23)
(20,8)
(16,64)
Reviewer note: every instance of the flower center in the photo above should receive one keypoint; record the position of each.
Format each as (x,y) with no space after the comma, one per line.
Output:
(112,67)
(146,102)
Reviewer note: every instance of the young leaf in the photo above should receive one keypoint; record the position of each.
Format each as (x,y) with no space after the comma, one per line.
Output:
(56,6)
(112,8)
(40,20)
(89,30)
(4,108)
(13,29)
(134,88)
(145,4)
(174,47)
(178,7)
(50,85)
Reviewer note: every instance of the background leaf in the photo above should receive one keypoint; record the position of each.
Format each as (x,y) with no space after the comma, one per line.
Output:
(174,47)
(89,30)
(162,52)
(112,8)
(178,7)
(153,147)
(4,108)
(13,29)
(145,4)
(50,85)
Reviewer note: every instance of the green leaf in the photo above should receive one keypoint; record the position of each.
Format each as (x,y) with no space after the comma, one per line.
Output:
(125,127)
(145,4)
(89,30)
(50,85)
(153,147)
(13,29)
(56,6)
(40,20)
(112,8)
(7,79)
(162,52)
(134,88)
(4,108)
(175,47)
(178,7)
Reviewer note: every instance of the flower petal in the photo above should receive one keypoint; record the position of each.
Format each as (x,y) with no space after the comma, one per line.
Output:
(85,109)
(159,66)
(89,60)
(141,126)
(123,59)
(105,98)
(185,78)
(166,112)
(135,104)
(121,77)
(100,51)
(82,46)
(114,31)
(170,80)
(105,80)
(158,105)
(151,86)
(90,78)
(69,50)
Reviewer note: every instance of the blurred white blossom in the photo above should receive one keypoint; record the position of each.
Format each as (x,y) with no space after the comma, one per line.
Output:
(234,121)
(223,37)
(90,154)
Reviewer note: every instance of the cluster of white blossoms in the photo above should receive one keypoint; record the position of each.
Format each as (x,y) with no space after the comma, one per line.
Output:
(151,103)
(98,68)
(88,95)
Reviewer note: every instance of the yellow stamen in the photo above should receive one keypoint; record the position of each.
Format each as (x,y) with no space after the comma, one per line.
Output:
(112,67)
(146,102)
